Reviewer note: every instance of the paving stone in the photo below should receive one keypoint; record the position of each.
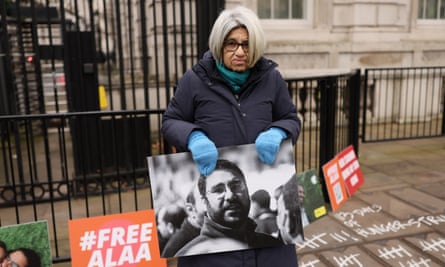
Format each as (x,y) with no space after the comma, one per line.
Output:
(438,223)
(398,253)
(420,199)
(371,222)
(396,148)
(431,144)
(398,168)
(310,260)
(325,234)
(430,161)
(350,256)
(380,181)
(422,177)
(391,205)
(432,244)
(435,189)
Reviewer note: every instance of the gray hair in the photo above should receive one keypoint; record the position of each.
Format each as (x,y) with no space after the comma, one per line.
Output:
(230,19)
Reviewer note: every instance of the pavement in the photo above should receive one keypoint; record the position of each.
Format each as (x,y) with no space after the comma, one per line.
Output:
(396,218)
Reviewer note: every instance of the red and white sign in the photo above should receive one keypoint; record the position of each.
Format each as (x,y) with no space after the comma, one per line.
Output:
(127,239)
(350,169)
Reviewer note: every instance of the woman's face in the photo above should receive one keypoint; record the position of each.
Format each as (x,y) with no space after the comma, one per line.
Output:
(236,60)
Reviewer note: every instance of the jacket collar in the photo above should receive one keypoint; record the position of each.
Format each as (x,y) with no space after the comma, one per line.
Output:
(207,71)
(215,230)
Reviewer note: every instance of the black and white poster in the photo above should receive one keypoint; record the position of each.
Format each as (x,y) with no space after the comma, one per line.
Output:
(242,204)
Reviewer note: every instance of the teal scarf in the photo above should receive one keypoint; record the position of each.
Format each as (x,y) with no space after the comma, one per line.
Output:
(236,79)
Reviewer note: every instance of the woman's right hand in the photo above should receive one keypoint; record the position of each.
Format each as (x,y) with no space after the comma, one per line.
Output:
(204,152)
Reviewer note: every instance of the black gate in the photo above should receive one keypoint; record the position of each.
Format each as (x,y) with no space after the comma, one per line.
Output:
(403,103)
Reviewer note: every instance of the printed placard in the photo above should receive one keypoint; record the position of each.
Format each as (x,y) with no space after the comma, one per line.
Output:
(335,184)
(27,241)
(217,213)
(311,196)
(126,239)
(343,176)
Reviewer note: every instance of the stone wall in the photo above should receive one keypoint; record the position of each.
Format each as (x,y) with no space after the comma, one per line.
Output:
(355,34)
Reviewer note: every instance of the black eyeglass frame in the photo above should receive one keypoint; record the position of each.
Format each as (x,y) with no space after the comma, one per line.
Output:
(228,43)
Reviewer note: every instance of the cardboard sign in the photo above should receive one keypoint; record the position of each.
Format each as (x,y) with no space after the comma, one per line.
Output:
(312,196)
(335,184)
(127,239)
(343,177)
(175,178)
(350,169)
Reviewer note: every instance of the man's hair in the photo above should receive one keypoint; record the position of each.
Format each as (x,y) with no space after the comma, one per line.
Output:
(174,214)
(32,258)
(3,245)
(221,164)
(238,17)
(291,203)
(190,198)
(261,197)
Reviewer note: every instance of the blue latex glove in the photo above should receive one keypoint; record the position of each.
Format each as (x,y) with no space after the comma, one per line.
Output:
(268,143)
(204,152)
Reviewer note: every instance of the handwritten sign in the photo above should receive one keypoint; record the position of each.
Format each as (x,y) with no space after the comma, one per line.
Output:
(335,184)
(350,169)
(126,239)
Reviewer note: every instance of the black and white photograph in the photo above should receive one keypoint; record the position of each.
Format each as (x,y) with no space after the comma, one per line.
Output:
(242,204)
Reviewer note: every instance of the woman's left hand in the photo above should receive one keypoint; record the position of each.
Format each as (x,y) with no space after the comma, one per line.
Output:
(268,144)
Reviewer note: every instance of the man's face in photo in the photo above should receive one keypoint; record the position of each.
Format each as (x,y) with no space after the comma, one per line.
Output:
(227,198)
(301,194)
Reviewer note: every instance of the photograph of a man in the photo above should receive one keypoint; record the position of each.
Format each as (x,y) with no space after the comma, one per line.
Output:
(223,211)
(311,199)
(301,196)
(262,214)
(226,196)
(191,227)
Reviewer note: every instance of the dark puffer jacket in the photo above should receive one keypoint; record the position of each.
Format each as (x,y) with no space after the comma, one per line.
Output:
(205,101)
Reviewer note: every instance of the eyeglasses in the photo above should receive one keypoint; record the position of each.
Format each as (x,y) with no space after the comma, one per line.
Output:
(10,262)
(232,45)
(235,186)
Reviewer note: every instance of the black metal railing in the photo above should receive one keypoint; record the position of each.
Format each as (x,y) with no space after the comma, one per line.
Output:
(403,103)
(328,107)
(54,157)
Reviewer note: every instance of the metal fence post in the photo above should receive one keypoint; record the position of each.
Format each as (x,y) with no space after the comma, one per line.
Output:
(354,110)
(327,125)
(206,14)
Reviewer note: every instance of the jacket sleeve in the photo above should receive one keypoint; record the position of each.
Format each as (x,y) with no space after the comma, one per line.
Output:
(177,120)
(284,111)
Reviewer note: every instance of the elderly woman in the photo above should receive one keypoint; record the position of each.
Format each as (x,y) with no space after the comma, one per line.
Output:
(233,96)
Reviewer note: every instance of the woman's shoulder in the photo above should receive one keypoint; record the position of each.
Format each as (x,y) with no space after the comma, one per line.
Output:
(190,76)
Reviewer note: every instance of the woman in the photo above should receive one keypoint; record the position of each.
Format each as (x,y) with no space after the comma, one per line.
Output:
(22,257)
(233,96)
